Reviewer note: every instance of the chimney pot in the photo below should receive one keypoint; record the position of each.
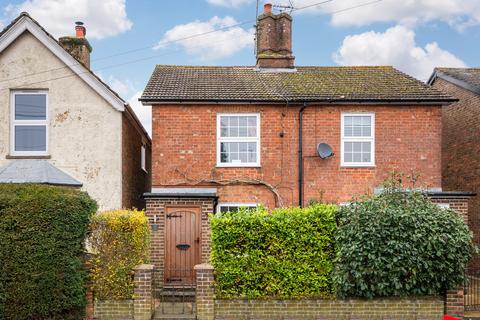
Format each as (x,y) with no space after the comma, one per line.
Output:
(267,8)
(80,30)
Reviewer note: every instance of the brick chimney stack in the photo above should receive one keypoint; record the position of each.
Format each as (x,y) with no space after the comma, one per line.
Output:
(78,46)
(274,40)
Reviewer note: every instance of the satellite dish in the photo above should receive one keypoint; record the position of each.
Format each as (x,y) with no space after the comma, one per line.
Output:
(324,151)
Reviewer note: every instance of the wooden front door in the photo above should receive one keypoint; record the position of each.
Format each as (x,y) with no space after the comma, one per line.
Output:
(182,245)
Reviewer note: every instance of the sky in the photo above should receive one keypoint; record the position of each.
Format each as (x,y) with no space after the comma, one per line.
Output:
(129,37)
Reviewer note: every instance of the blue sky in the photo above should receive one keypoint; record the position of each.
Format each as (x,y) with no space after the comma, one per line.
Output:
(412,35)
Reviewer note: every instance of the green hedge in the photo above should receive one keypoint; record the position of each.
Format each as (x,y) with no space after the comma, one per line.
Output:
(42,232)
(284,254)
(120,241)
(399,244)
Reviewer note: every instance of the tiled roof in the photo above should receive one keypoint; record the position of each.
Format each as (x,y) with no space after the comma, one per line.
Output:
(247,84)
(469,77)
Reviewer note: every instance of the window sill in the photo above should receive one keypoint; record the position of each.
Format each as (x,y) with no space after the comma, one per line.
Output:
(239,166)
(353,166)
(9,156)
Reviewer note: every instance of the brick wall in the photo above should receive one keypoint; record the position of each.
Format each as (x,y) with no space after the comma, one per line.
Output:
(113,309)
(460,204)
(404,308)
(156,210)
(209,308)
(460,149)
(135,181)
(184,152)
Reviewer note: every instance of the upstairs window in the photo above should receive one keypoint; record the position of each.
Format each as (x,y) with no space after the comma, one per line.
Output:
(358,140)
(29,130)
(238,140)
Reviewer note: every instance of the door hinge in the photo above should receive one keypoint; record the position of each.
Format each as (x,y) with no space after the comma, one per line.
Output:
(170,216)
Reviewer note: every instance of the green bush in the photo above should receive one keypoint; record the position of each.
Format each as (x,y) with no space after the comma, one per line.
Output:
(42,232)
(120,241)
(399,244)
(285,254)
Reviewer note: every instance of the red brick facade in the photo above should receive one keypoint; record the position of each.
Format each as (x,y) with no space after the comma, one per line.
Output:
(407,140)
(461,147)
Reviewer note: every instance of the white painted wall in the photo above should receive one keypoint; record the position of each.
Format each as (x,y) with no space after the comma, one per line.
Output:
(85,131)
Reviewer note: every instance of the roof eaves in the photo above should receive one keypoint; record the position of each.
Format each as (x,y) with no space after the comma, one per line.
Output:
(428,101)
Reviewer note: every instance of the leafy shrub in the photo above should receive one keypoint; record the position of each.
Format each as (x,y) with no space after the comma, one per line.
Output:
(399,244)
(42,233)
(285,254)
(120,241)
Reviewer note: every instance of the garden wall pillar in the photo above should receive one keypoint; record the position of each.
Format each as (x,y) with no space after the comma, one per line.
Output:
(205,294)
(143,292)
(454,304)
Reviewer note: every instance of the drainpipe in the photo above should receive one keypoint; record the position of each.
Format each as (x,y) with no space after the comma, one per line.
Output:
(300,155)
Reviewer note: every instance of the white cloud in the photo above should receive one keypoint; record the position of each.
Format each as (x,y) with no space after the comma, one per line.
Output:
(230,3)
(102,18)
(215,45)
(457,13)
(144,113)
(397,47)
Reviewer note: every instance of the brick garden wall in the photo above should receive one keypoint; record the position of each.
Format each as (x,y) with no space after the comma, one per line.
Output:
(414,308)
(184,152)
(113,309)
(460,149)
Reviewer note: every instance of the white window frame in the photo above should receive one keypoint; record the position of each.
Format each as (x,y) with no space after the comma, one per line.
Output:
(357,139)
(238,139)
(14,123)
(235,204)
(143,157)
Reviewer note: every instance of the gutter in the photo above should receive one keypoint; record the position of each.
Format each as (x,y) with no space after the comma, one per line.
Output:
(300,154)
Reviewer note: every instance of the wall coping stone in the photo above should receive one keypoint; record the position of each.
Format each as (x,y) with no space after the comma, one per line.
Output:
(144,267)
(203,266)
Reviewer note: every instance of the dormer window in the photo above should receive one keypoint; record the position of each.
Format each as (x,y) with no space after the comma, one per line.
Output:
(29,124)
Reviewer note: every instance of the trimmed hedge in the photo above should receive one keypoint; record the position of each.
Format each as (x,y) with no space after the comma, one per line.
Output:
(399,244)
(42,232)
(120,241)
(284,254)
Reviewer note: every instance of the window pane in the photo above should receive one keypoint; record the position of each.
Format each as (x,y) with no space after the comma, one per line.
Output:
(242,132)
(348,131)
(30,138)
(366,121)
(233,132)
(243,147)
(366,147)
(224,132)
(348,146)
(252,131)
(233,121)
(348,157)
(252,121)
(357,147)
(367,131)
(243,121)
(252,157)
(243,157)
(30,107)
(366,157)
(357,157)
(348,121)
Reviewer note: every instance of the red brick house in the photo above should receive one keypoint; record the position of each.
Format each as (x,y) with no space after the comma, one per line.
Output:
(461,137)
(226,137)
